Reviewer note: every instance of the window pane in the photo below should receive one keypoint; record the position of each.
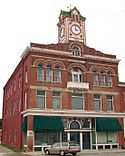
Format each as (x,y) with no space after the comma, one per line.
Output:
(109,103)
(109,78)
(41,102)
(56,100)
(95,79)
(57,74)
(97,102)
(56,103)
(40,76)
(76,75)
(77,103)
(41,99)
(102,80)
(49,74)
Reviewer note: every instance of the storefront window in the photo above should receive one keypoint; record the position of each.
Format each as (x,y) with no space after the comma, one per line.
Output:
(46,138)
(107,137)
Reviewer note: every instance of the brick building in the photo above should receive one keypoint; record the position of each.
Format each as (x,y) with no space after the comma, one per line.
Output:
(65,91)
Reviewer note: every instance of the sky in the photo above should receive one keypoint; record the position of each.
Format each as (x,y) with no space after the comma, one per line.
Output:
(26,21)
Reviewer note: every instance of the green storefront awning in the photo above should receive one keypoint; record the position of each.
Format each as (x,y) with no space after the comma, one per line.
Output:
(45,123)
(48,123)
(108,125)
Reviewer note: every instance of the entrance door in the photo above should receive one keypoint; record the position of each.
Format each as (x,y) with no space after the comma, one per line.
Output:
(86,140)
(75,136)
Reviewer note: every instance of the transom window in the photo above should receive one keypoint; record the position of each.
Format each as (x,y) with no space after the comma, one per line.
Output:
(76,75)
(86,123)
(97,102)
(110,103)
(74,125)
(77,101)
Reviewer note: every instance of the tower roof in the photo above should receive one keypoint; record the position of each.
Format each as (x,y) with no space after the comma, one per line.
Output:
(68,14)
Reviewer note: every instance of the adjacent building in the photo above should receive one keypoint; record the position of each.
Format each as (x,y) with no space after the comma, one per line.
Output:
(65,91)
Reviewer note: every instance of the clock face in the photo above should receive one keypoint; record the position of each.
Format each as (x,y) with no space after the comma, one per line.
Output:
(75,29)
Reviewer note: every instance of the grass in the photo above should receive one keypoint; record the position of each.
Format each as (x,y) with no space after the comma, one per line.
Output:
(12,148)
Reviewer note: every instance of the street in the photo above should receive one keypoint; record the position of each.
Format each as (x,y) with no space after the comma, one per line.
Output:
(6,152)
(117,153)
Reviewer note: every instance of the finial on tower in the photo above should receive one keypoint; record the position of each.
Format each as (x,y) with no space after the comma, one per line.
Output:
(70,6)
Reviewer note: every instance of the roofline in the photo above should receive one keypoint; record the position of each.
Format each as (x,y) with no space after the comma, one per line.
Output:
(65,53)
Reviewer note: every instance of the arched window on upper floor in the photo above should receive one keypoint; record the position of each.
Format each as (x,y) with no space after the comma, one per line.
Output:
(76,50)
(57,76)
(102,79)
(49,73)
(109,79)
(95,78)
(76,75)
(40,72)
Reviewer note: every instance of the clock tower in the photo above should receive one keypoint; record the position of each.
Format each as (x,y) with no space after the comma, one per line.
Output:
(71,27)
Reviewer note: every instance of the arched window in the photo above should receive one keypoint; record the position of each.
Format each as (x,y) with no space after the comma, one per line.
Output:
(74,125)
(76,75)
(49,73)
(95,78)
(109,79)
(40,73)
(102,79)
(57,76)
(76,50)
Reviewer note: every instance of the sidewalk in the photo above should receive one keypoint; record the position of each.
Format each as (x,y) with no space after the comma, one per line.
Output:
(4,150)
(35,153)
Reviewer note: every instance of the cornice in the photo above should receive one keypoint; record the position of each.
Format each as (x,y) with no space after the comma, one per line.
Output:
(68,54)
(100,58)
(72,113)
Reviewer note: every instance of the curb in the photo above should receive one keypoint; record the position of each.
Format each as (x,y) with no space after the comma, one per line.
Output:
(83,151)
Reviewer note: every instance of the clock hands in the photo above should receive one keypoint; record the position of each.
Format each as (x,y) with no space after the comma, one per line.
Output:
(76,28)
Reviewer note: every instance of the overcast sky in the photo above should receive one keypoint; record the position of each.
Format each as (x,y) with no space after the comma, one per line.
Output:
(25,21)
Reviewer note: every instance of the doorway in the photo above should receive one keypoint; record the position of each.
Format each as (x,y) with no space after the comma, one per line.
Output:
(86,140)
